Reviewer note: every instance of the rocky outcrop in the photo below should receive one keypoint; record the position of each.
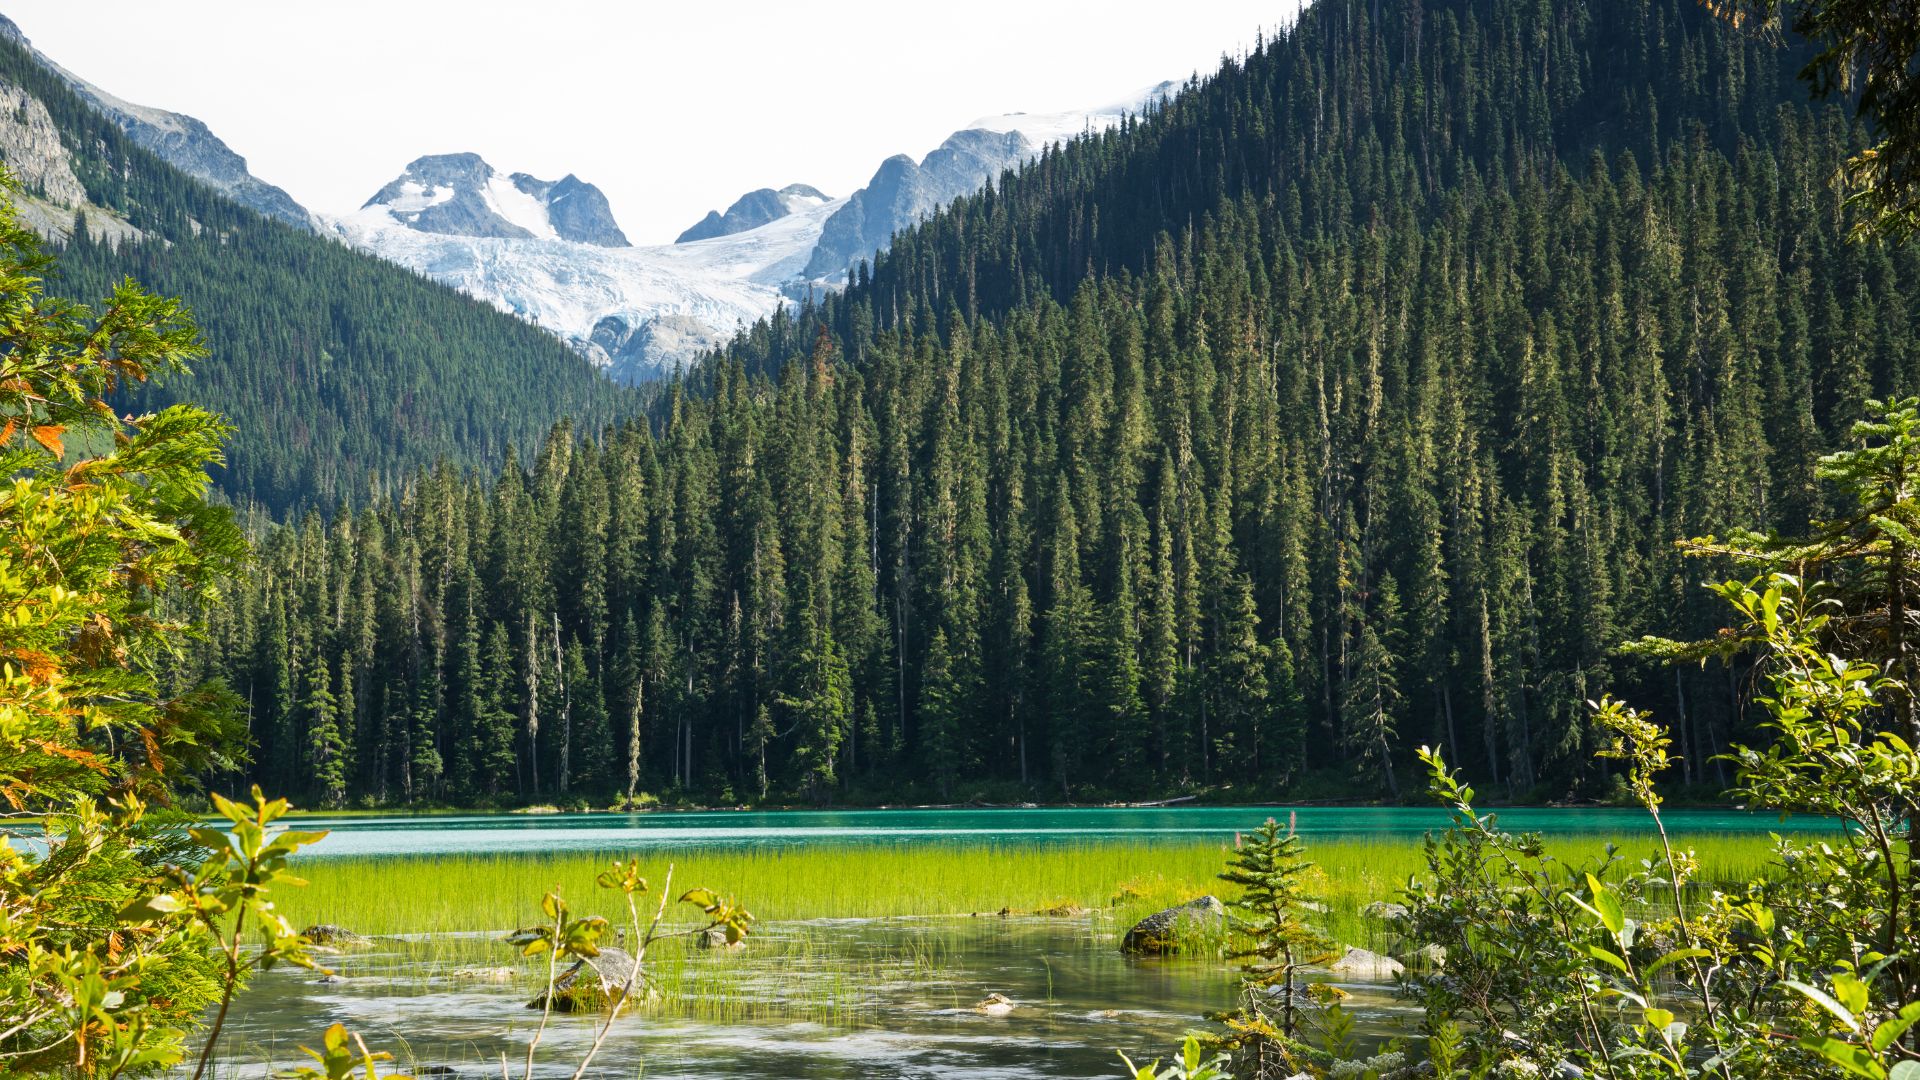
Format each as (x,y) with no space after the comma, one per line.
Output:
(577,210)
(181,141)
(662,343)
(1161,932)
(750,211)
(1361,964)
(903,191)
(589,984)
(446,193)
(329,936)
(31,147)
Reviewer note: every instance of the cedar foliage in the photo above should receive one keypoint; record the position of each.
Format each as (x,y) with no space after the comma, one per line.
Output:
(1352,400)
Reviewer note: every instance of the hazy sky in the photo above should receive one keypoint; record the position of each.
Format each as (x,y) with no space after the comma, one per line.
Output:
(671,108)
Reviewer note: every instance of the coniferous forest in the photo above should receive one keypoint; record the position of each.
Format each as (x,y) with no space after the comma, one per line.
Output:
(339,373)
(1352,400)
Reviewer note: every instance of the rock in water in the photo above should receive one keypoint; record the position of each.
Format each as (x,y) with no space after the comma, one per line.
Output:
(1361,964)
(995,1005)
(1160,932)
(326,937)
(589,984)
(716,938)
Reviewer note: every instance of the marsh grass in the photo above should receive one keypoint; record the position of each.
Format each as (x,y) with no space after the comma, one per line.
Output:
(1116,883)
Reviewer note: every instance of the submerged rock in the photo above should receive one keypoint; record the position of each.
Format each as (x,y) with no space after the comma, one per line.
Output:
(1161,931)
(484,974)
(1361,964)
(589,984)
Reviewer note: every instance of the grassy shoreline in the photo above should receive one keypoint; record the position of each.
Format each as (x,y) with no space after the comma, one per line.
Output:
(1124,880)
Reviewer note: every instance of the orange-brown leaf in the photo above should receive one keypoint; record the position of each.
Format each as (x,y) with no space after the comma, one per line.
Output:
(48,435)
(6,433)
(91,761)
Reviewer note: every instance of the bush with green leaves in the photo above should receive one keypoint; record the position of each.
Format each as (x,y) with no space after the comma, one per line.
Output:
(1808,970)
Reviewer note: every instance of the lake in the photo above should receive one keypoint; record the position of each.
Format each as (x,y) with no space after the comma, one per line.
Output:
(888,997)
(552,833)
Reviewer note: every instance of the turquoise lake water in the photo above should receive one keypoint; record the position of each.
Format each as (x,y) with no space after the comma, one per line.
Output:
(506,833)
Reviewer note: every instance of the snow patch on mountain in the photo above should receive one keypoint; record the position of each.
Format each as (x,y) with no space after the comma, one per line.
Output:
(550,252)
(603,300)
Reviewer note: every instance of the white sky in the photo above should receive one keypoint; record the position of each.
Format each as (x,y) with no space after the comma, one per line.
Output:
(672,109)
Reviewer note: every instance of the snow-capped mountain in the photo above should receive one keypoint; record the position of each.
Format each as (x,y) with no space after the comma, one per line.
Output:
(903,191)
(645,312)
(461,195)
(180,141)
(752,210)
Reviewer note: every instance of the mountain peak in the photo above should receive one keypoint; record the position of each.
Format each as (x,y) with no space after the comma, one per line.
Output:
(754,209)
(460,194)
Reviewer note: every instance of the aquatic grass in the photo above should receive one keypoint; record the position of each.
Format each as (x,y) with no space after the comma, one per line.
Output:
(1121,881)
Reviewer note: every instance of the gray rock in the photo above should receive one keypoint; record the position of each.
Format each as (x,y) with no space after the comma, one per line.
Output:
(657,346)
(181,141)
(717,939)
(463,211)
(1384,910)
(577,210)
(329,936)
(589,984)
(1428,957)
(1361,964)
(902,192)
(31,147)
(749,211)
(459,205)
(1161,931)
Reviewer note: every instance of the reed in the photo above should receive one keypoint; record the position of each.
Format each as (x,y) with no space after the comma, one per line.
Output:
(1122,880)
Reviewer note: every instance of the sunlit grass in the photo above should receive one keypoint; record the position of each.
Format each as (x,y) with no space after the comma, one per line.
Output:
(1117,881)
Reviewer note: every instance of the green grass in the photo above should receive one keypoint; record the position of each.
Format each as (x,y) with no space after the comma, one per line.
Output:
(1126,880)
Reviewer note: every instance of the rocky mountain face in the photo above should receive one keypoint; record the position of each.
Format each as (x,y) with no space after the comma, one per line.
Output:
(646,312)
(903,191)
(52,197)
(462,195)
(752,210)
(179,140)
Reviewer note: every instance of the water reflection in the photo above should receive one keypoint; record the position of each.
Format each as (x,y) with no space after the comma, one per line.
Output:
(889,998)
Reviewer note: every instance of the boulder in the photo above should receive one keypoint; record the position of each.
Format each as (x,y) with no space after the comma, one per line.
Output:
(1160,932)
(589,984)
(326,937)
(1428,957)
(1361,964)
(1385,911)
(995,1005)
(716,938)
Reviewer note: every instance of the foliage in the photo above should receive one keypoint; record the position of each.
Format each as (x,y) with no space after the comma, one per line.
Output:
(104,525)
(1798,972)
(1190,1065)
(1271,869)
(565,937)
(1869,49)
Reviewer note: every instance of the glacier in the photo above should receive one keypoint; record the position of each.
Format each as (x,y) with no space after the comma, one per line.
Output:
(645,312)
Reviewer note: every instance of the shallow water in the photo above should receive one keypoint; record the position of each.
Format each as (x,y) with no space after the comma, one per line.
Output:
(552,833)
(835,999)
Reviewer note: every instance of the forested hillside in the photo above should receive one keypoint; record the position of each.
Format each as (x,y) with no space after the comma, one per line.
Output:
(341,373)
(1351,401)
